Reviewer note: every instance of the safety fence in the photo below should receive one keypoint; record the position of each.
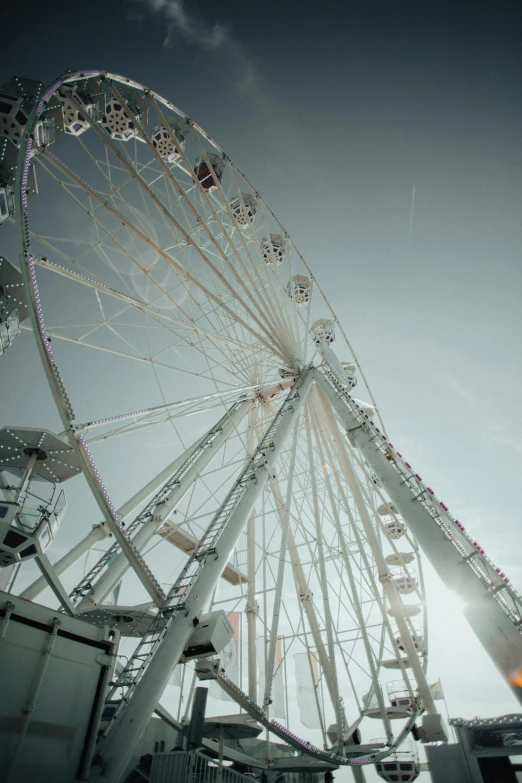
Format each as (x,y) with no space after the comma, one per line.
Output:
(193,767)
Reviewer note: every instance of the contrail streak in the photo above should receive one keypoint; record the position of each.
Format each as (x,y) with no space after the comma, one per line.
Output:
(411,214)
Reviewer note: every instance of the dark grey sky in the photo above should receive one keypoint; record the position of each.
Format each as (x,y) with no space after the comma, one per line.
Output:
(335,110)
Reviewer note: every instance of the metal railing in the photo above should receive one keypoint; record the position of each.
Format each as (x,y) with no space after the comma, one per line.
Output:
(121,691)
(86,585)
(193,767)
(473,555)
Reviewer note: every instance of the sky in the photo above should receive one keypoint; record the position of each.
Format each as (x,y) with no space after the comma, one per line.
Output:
(338,112)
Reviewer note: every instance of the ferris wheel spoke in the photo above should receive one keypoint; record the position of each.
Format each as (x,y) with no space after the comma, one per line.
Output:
(320,290)
(215,216)
(169,217)
(338,445)
(285,522)
(366,582)
(107,234)
(56,335)
(177,479)
(157,314)
(156,248)
(281,317)
(269,307)
(324,582)
(301,583)
(403,565)
(125,430)
(190,402)
(316,681)
(139,421)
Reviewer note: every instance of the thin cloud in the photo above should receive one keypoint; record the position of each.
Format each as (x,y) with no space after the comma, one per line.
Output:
(496,431)
(181,21)
(504,437)
(456,387)
(210,37)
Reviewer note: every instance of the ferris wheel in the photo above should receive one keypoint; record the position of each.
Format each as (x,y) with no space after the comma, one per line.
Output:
(246,529)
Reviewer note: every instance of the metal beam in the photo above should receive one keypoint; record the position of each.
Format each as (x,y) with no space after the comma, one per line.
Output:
(284,515)
(349,572)
(98,533)
(181,475)
(44,564)
(67,416)
(191,593)
(305,596)
(251,609)
(338,404)
(339,712)
(144,307)
(450,551)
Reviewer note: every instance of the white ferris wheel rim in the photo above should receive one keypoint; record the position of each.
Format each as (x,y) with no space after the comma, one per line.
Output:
(51,365)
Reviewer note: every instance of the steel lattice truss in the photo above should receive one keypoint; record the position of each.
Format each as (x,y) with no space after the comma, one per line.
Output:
(179,326)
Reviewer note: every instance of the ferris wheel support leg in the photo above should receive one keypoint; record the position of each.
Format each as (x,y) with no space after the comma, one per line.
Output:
(497,629)
(100,531)
(115,750)
(162,511)
(54,583)
(326,455)
(285,527)
(358,774)
(304,592)
(251,605)
(339,711)
(384,576)
(251,608)
(493,627)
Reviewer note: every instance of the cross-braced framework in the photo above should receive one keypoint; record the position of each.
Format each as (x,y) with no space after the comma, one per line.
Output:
(180,330)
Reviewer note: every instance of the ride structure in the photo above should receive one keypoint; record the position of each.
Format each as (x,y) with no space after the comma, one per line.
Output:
(264,533)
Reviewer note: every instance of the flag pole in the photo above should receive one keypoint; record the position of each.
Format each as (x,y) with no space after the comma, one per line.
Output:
(447,713)
(437,692)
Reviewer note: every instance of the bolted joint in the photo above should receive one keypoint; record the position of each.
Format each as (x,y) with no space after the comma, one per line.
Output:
(252,607)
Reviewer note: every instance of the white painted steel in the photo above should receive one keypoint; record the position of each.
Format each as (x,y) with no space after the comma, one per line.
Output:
(30,706)
(240,313)
(353,588)
(304,594)
(113,574)
(67,415)
(115,749)
(456,558)
(55,688)
(53,581)
(210,671)
(340,718)
(98,533)
(285,525)
(343,412)
(251,608)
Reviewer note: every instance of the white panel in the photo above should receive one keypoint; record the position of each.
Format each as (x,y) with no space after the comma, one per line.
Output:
(307,680)
(52,749)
